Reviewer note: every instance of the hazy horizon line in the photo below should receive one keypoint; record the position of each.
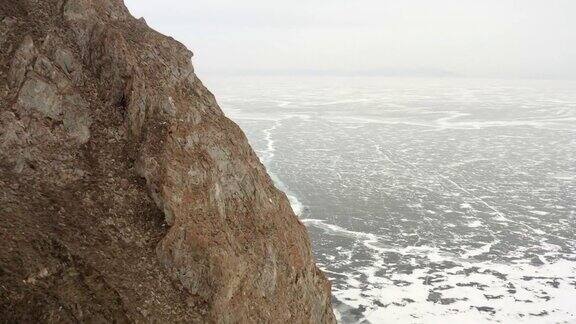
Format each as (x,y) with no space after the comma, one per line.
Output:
(391,72)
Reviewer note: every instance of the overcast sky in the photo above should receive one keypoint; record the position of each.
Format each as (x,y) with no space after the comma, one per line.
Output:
(484,38)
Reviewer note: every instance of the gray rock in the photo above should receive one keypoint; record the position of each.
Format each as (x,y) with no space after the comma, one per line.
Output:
(41,96)
(78,10)
(77,119)
(20,62)
(65,60)
(169,107)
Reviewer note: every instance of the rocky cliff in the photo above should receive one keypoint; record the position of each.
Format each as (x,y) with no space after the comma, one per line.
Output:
(126,195)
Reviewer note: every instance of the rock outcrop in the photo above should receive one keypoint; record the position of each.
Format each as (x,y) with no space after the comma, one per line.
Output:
(126,195)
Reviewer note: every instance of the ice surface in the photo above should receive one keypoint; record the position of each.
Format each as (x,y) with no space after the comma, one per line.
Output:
(426,200)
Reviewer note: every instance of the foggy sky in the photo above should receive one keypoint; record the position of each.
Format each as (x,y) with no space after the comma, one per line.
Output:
(474,38)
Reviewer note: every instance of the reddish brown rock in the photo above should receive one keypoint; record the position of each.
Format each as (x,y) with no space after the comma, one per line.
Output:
(126,194)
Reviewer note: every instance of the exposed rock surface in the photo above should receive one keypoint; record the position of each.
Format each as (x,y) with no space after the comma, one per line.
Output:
(126,195)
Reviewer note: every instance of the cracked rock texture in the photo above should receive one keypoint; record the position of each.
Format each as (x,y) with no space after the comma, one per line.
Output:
(126,195)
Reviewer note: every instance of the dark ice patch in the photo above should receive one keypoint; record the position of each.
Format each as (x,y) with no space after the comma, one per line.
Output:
(542,313)
(436,298)
(489,297)
(485,309)
(472,284)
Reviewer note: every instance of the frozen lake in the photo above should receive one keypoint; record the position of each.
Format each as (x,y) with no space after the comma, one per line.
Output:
(427,200)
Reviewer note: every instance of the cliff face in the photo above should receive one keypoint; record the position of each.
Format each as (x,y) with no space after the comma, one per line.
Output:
(126,195)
